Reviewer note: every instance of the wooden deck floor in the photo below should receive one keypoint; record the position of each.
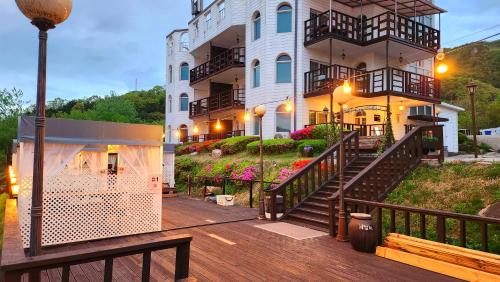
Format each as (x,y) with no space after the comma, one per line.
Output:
(241,252)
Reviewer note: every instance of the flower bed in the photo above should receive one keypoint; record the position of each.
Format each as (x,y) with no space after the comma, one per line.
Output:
(272,146)
(194,147)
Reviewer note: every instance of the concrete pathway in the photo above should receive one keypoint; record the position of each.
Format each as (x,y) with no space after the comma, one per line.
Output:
(469,158)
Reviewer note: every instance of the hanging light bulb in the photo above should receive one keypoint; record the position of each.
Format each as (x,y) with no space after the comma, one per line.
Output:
(345,106)
(288,106)
(442,68)
(346,87)
(247,115)
(401,107)
(218,126)
(196,130)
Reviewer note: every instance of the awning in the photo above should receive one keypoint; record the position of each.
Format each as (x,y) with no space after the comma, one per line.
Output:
(406,8)
(427,118)
(66,131)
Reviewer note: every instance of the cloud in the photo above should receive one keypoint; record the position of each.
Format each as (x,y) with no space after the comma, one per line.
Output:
(103,46)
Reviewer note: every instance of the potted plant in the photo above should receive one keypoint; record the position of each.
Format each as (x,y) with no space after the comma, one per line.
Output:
(429,144)
(308,151)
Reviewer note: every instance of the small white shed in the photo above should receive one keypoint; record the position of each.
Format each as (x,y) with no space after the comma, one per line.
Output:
(101,179)
(450,127)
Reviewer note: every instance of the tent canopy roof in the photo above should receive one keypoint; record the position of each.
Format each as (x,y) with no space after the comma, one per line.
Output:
(406,8)
(91,132)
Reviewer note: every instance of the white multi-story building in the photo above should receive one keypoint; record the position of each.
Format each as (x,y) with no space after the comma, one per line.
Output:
(243,53)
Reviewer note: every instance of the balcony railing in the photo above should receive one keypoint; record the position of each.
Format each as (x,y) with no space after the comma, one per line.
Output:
(234,57)
(221,101)
(213,136)
(376,129)
(373,83)
(371,30)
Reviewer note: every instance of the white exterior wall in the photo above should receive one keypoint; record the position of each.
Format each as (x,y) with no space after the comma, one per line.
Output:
(272,44)
(450,128)
(175,57)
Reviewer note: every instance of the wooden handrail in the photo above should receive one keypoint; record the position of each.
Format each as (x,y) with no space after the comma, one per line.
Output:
(387,171)
(313,176)
(234,57)
(14,269)
(356,205)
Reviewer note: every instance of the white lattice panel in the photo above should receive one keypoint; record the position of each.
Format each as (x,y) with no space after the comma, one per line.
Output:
(92,206)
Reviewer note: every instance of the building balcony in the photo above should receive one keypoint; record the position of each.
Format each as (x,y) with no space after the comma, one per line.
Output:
(213,136)
(230,58)
(233,99)
(372,30)
(374,83)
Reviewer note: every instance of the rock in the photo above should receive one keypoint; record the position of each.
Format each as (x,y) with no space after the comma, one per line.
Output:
(194,153)
(492,210)
(217,153)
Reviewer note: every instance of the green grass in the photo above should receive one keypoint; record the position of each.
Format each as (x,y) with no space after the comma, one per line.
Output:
(458,187)
(3,198)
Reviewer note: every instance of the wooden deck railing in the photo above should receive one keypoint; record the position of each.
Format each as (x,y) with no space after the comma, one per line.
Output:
(417,222)
(313,176)
(14,270)
(234,57)
(213,136)
(220,101)
(383,175)
(373,83)
(371,30)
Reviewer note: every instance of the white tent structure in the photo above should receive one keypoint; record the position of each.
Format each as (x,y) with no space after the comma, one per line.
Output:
(169,164)
(101,179)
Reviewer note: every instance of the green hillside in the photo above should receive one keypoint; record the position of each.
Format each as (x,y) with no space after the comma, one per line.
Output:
(481,62)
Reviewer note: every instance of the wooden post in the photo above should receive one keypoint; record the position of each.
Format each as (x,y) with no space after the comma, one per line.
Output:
(250,189)
(146,266)
(189,184)
(182,261)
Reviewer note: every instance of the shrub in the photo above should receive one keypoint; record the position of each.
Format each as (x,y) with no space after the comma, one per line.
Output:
(216,145)
(462,138)
(272,146)
(298,164)
(301,134)
(194,147)
(236,144)
(183,149)
(318,145)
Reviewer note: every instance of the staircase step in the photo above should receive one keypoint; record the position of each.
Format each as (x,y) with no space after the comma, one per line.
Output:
(304,224)
(311,220)
(311,211)
(325,193)
(323,207)
(317,199)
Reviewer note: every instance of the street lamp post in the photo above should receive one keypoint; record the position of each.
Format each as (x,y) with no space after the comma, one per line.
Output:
(472,86)
(45,15)
(260,111)
(342,95)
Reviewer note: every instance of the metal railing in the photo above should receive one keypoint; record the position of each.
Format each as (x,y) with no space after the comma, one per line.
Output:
(220,101)
(234,57)
(371,30)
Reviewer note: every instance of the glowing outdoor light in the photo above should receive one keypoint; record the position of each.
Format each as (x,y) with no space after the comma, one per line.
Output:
(288,106)
(401,107)
(15,189)
(442,68)
(346,87)
(196,130)
(440,55)
(177,133)
(345,106)
(218,126)
(246,117)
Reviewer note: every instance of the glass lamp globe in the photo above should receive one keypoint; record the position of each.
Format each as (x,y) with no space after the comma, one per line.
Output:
(54,11)
(340,96)
(260,110)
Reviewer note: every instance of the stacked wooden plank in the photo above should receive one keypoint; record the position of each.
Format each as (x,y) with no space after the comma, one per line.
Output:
(458,262)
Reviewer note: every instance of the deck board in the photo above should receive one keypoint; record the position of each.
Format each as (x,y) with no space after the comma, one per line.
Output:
(258,255)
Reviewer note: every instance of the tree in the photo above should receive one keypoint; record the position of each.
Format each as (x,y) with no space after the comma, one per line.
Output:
(113,108)
(11,102)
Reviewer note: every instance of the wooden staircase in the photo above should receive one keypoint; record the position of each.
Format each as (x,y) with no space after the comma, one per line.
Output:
(310,196)
(313,212)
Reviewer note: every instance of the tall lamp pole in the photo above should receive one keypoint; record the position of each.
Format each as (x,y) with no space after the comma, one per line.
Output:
(342,95)
(472,86)
(260,111)
(45,15)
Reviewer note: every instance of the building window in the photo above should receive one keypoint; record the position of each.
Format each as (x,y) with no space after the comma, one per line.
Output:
(283,119)
(169,103)
(184,102)
(284,18)
(361,67)
(222,10)
(184,71)
(421,110)
(184,46)
(208,20)
(256,74)
(284,69)
(183,133)
(170,47)
(169,134)
(170,72)
(256,26)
